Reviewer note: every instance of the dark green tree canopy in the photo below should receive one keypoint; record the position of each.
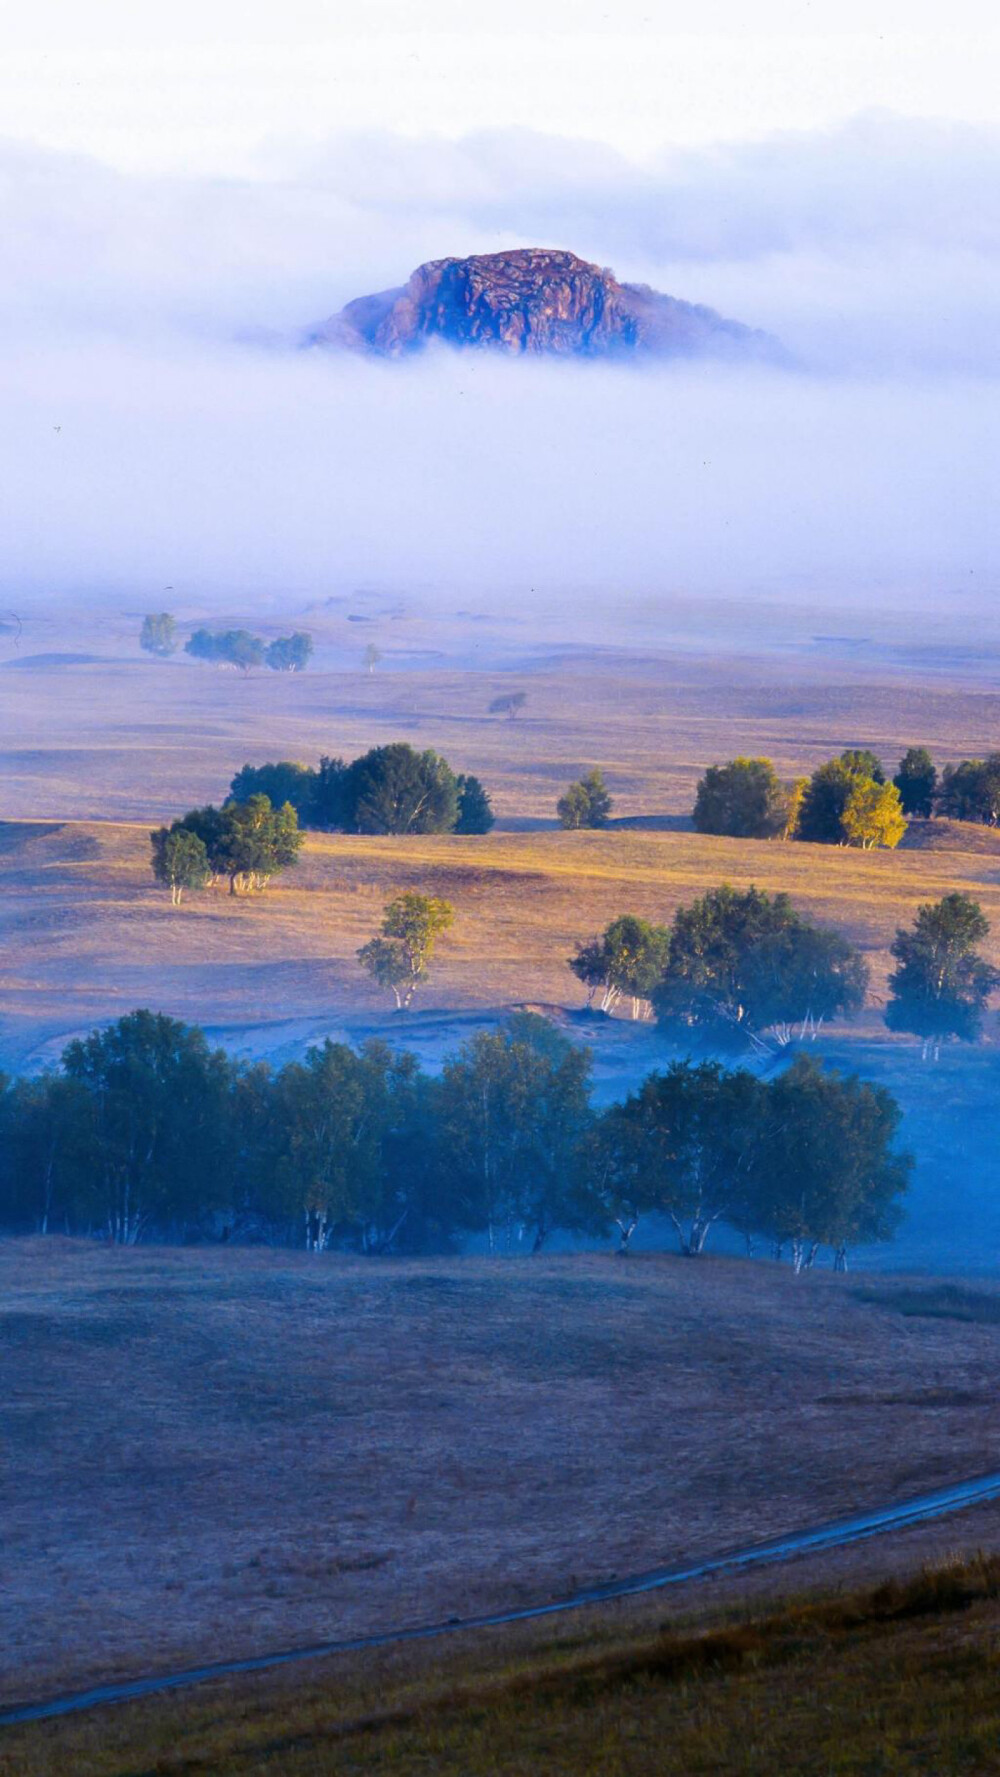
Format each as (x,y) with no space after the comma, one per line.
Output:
(942,984)
(829,1173)
(475,810)
(742,962)
(247,841)
(394,789)
(513,1107)
(586,803)
(971,791)
(742,799)
(286,781)
(916,781)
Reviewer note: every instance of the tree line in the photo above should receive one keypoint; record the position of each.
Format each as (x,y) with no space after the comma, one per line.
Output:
(847,800)
(144,1131)
(744,966)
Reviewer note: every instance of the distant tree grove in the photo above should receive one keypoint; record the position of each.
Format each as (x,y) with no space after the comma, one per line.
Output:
(145,1132)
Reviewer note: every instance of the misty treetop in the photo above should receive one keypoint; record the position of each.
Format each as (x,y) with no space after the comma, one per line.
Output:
(245,842)
(389,789)
(144,1131)
(159,634)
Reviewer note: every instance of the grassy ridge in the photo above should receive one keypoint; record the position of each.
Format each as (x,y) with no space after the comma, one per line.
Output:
(892,1680)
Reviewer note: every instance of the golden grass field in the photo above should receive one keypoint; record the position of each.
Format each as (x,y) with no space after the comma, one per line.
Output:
(90,935)
(211,1452)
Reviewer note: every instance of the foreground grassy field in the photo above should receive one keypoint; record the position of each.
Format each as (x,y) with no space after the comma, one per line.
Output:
(893,1680)
(210,1453)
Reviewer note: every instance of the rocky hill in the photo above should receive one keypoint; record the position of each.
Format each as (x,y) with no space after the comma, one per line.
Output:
(535,300)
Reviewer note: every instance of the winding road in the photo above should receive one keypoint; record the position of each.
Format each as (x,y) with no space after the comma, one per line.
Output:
(835,1535)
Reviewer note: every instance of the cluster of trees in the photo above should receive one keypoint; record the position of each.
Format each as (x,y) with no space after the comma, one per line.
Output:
(234,647)
(237,647)
(390,789)
(734,966)
(145,1131)
(739,966)
(244,842)
(847,801)
(586,803)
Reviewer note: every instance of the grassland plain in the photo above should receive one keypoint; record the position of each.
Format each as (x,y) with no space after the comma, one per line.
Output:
(213,1452)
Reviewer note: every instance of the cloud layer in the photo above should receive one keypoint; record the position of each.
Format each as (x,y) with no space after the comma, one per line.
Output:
(150,320)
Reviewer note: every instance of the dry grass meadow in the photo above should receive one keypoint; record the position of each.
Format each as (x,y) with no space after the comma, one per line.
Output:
(211,1452)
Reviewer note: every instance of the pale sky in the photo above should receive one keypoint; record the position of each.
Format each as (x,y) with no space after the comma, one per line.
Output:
(245,86)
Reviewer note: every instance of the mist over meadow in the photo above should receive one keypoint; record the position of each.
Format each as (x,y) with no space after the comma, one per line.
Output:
(164,428)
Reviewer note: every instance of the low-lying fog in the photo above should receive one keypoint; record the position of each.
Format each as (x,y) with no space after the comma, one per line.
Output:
(162,430)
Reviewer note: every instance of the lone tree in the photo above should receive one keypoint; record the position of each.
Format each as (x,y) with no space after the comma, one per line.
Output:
(916,781)
(398,959)
(743,799)
(942,984)
(873,816)
(629,959)
(586,803)
(179,860)
(394,789)
(372,657)
(744,963)
(289,654)
(509,705)
(475,810)
(158,634)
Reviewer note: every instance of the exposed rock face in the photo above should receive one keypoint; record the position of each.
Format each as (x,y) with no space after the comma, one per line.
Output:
(535,300)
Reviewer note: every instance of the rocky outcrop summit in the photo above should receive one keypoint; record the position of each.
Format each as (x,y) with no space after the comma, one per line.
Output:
(538,300)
